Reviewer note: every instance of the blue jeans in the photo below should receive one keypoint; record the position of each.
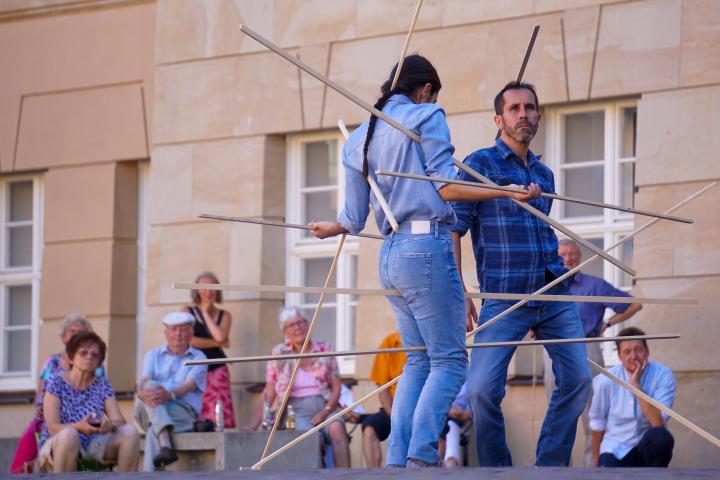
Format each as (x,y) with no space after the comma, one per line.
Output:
(430,312)
(488,374)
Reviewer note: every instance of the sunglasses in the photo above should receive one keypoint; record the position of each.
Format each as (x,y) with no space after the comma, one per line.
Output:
(89,353)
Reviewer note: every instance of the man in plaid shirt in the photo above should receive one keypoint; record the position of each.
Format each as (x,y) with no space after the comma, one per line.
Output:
(516,252)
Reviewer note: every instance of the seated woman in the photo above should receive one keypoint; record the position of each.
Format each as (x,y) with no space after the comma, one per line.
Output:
(316,389)
(56,363)
(82,419)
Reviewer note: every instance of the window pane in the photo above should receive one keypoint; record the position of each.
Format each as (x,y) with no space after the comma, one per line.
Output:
(584,137)
(627,184)
(595,268)
(626,256)
(351,326)
(20,246)
(628,132)
(353,261)
(21,201)
(586,183)
(320,206)
(17,351)
(316,270)
(19,304)
(321,163)
(326,325)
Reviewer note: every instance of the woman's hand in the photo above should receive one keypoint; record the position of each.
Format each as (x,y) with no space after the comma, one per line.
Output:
(326,229)
(83,426)
(320,417)
(533,192)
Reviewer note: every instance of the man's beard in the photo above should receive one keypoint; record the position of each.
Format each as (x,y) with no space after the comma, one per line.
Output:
(521,135)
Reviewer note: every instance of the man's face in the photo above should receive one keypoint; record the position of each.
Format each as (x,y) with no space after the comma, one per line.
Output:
(633,354)
(178,337)
(570,255)
(520,117)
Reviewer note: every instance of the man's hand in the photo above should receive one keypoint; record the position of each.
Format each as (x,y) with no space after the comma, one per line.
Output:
(637,374)
(152,397)
(533,192)
(320,417)
(326,229)
(471,314)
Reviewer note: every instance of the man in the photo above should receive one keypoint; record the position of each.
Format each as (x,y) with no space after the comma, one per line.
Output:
(170,393)
(516,252)
(376,427)
(626,430)
(591,315)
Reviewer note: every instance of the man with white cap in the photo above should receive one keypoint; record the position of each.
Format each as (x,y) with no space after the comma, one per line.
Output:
(170,393)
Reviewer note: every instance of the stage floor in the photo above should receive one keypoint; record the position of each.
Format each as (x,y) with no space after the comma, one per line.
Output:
(376,474)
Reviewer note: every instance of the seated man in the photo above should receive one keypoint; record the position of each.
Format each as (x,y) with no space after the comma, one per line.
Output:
(170,394)
(628,431)
(376,427)
(458,416)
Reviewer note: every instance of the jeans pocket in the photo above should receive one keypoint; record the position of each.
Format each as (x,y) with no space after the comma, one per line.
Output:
(412,274)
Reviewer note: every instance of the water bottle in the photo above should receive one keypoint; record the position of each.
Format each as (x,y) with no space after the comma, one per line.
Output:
(219,416)
(290,418)
(266,418)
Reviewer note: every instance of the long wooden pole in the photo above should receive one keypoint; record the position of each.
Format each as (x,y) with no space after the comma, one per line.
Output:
(396,293)
(306,344)
(350,353)
(395,380)
(668,411)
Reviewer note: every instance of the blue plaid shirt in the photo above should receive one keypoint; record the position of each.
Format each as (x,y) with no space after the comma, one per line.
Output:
(515,252)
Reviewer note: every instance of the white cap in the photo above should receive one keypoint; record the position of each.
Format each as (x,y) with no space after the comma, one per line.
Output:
(177,318)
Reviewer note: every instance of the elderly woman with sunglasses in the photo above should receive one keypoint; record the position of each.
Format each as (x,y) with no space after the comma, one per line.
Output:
(82,416)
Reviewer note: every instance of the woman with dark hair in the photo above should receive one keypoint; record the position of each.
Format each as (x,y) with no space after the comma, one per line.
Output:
(82,416)
(212,328)
(418,259)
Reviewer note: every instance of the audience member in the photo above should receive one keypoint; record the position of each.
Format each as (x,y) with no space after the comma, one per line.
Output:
(170,393)
(626,430)
(458,416)
(82,418)
(211,331)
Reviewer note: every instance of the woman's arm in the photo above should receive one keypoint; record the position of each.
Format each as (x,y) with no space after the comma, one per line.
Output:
(51,409)
(114,416)
(220,332)
(331,403)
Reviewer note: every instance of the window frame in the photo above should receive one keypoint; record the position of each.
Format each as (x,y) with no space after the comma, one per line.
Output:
(299,247)
(26,275)
(611,225)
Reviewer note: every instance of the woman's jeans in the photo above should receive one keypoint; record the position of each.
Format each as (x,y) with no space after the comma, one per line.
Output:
(488,375)
(429,312)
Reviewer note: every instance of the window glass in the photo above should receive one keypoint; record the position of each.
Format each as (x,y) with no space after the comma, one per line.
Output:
(316,270)
(19,246)
(19,301)
(17,351)
(628,132)
(584,137)
(627,184)
(321,163)
(586,183)
(21,201)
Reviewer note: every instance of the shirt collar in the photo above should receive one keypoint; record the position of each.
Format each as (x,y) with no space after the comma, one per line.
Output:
(166,350)
(400,98)
(313,347)
(507,152)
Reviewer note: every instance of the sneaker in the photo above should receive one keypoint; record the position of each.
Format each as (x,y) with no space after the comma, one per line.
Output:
(166,456)
(414,463)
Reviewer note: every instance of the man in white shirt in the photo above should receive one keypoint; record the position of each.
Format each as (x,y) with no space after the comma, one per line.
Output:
(628,431)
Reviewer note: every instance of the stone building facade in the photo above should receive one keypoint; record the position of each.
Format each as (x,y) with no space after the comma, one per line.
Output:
(123,120)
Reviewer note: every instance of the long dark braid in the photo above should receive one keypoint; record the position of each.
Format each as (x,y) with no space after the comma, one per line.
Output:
(416,72)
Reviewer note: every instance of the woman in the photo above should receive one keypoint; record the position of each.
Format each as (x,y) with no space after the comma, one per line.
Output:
(212,328)
(27,447)
(418,259)
(316,389)
(82,416)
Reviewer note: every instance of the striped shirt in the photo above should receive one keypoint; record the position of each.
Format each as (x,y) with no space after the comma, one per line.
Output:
(515,252)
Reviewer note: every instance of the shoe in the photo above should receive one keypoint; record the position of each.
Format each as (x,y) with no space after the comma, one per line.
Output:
(414,463)
(166,456)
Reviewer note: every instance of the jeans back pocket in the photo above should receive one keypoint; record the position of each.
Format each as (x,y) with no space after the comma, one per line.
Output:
(412,274)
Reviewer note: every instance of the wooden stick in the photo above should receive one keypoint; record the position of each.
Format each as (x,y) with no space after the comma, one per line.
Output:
(349,353)
(342,91)
(278,224)
(491,186)
(395,293)
(525,61)
(547,219)
(405,47)
(485,325)
(590,260)
(373,185)
(668,411)
(304,348)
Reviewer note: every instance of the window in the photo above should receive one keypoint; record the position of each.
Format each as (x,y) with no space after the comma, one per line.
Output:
(314,192)
(20,244)
(591,149)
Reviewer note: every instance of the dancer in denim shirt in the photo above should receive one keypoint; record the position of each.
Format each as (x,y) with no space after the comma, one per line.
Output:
(516,252)
(418,259)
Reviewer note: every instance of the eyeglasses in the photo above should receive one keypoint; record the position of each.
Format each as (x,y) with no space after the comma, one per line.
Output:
(89,353)
(298,323)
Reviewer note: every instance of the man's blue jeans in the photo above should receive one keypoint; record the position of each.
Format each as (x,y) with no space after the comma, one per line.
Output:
(430,312)
(488,372)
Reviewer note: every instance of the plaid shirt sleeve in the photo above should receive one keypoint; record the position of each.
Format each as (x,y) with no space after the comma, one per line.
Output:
(466,212)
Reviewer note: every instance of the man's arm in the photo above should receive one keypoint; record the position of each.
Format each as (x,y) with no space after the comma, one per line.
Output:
(596,439)
(622,316)
(471,315)
(385,400)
